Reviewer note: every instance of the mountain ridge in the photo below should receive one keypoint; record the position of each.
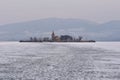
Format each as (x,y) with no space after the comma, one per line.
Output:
(43,27)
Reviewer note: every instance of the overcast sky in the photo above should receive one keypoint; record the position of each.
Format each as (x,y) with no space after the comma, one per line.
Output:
(12,11)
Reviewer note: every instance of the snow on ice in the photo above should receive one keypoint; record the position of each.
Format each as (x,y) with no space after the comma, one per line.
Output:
(60,61)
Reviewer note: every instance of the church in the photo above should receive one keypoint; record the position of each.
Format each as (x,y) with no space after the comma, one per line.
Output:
(62,38)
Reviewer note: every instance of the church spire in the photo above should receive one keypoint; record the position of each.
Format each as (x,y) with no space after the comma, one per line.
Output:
(53,36)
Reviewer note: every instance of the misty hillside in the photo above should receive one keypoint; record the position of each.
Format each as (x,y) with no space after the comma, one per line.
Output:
(75,27)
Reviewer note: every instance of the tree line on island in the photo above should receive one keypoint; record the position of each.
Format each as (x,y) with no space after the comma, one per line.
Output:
(54,38)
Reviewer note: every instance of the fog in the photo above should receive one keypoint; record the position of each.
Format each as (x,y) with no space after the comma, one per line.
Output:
(12,11)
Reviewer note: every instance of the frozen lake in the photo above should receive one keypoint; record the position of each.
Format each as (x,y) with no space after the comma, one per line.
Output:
(60,61)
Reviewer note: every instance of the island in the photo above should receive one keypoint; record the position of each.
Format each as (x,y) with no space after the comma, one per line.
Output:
(55,38)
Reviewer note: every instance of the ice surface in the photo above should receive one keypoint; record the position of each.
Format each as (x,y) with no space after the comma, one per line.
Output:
(115,46)
(60,61)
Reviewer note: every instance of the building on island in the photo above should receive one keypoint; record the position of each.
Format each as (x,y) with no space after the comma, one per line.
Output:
(55,38)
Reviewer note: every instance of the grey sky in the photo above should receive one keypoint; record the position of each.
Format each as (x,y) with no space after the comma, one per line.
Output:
(12,11)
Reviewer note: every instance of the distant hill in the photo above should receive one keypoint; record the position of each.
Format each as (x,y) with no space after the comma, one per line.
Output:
(38,28)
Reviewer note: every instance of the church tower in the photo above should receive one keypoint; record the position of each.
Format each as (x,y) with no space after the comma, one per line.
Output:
(53,36)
